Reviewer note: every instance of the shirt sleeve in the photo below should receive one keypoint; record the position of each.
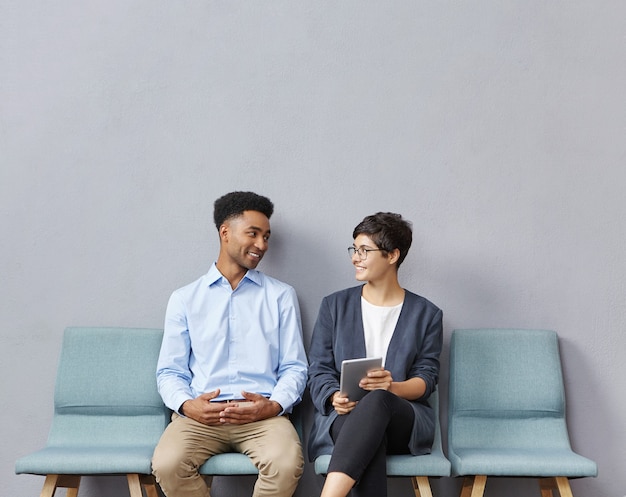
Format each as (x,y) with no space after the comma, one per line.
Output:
(173,374)
(292,364)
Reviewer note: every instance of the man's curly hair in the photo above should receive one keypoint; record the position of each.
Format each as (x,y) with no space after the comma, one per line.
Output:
(235,203)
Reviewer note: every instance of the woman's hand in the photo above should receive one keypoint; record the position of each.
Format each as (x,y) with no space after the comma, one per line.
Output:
(377,379)
(341,403)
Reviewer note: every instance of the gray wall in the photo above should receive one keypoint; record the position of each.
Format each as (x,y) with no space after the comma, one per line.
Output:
(496,127)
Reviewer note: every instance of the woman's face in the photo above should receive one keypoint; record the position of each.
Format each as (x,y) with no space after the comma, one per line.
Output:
(374,265)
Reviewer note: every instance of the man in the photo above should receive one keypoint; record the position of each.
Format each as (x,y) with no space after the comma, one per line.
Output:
(232,362)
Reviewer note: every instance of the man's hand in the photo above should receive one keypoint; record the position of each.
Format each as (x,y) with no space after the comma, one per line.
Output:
(255,408)
(202,410)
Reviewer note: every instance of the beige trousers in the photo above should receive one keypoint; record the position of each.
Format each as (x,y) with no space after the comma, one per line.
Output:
(272,445)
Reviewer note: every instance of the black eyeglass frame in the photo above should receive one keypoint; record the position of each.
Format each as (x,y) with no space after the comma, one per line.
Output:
(362,252)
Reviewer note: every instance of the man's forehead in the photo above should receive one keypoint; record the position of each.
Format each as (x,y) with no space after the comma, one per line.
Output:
(252,219)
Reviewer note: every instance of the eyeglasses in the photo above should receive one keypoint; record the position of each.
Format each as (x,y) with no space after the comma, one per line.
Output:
(362,252)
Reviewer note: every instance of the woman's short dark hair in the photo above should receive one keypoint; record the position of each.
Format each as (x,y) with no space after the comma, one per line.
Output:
(388,231)
(235,203)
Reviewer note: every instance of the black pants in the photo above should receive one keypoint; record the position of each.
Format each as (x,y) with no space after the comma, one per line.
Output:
(380,424)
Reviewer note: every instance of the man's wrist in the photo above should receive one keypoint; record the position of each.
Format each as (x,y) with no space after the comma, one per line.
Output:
(277,406)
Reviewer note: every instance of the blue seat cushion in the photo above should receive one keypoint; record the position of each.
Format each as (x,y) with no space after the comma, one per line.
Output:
(229,463)
(69,460)
(434,464)
(521,462)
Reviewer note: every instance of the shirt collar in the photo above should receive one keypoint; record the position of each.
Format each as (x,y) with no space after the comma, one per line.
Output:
(214,275)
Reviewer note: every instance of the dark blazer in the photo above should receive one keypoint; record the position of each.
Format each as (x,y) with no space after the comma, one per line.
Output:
(413,351)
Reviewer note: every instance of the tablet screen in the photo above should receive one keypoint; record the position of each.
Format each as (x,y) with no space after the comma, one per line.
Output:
(352,371)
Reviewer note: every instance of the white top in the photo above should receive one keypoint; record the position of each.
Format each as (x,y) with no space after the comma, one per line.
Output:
(379,324)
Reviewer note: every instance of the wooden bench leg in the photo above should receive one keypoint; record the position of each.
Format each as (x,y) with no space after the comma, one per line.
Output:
(562,484)
(547,485)
(149,485)
(474,486)
(421,486)
(139,483)
(559,483)
(49,486)
(70,482)
(134,485)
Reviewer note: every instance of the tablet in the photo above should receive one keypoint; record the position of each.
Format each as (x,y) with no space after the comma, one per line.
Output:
(352,371)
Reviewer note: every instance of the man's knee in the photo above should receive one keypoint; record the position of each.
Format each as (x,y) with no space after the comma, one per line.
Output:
(164,464)
(169,464)
(280,472)
(286,462)
(177,475)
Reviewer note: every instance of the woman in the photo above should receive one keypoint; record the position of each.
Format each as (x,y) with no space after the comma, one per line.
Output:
(377,319)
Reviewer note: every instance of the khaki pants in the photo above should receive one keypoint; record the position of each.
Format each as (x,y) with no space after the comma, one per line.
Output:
(272,445)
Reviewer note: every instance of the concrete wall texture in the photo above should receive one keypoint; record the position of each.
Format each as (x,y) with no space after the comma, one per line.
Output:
(496,127)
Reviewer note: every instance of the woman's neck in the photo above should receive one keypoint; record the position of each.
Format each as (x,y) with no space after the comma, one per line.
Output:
(383,293)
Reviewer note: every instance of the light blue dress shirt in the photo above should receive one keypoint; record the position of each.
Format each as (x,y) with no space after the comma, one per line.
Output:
(247,339)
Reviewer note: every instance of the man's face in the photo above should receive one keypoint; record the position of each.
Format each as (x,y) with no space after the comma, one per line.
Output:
(245,238)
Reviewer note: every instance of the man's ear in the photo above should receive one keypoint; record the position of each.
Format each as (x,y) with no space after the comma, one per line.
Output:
(223,232)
